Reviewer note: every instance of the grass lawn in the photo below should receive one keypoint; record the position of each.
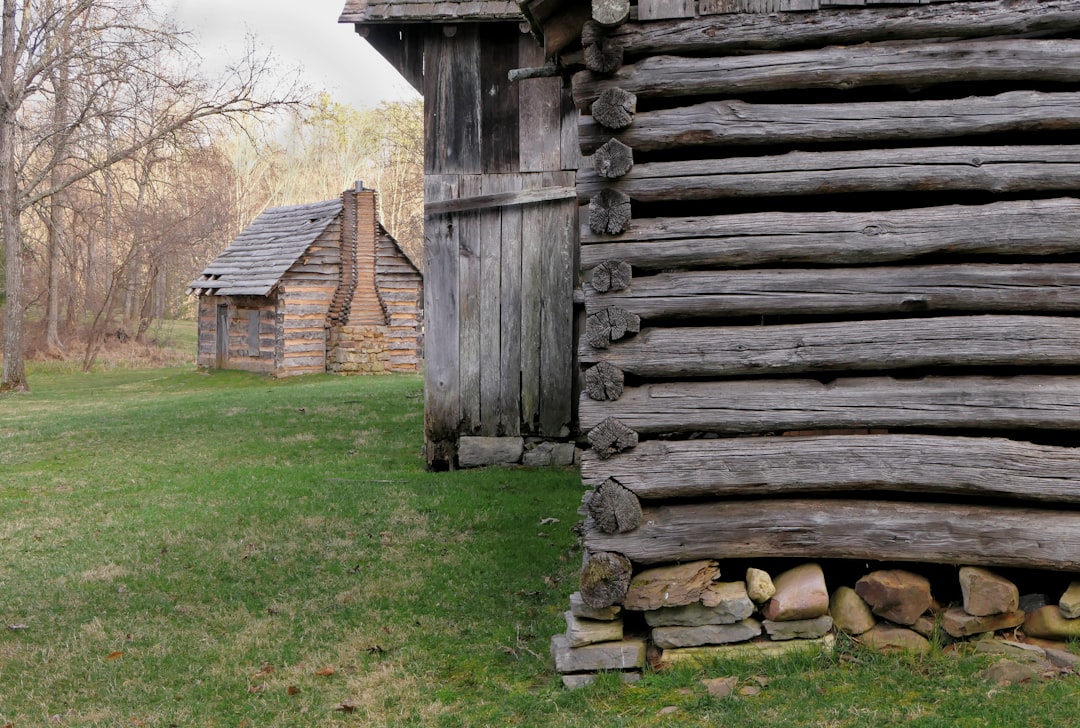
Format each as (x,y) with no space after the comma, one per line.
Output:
(188,549)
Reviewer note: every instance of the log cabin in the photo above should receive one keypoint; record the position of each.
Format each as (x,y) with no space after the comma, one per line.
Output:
(828,254)
(319,287)
(500,225)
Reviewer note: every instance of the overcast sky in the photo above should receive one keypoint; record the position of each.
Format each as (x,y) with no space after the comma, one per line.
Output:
(300,32)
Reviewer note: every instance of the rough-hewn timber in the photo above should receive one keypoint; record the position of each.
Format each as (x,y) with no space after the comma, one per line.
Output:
(989,168)
(745,466)
(985,287)
(733,122)
(837,346)
(1025,227)
(840,67)
(760,406)
(939,533)
(724,34)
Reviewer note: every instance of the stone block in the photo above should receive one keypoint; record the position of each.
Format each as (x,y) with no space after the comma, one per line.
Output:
(708,634)
(1048,623)
(581,632)
(889,637)
(702,656)
(671,586)
(759,585)
(958,623)
(1069,604)
(800,594)
(722,603)
(579,608)
(798,629)
(850,613)
(986,593)
(479,451)
(896,595)
(628,654)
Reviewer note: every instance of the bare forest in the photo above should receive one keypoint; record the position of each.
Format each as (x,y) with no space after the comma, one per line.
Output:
(124,169)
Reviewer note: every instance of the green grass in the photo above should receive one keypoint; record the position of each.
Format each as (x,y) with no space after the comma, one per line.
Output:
(191,549)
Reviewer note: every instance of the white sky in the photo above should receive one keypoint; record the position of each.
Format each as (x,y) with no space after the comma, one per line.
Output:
(301,33)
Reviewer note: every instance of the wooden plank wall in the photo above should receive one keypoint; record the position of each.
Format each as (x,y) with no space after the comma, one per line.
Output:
(304,297)
(850,269)
(499,341)
(241,331)
(401,290)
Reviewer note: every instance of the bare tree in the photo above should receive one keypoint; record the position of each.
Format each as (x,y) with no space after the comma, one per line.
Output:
(111,82)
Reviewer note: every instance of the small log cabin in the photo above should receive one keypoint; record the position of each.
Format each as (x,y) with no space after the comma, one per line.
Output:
(312,288)
(501,220)
(830,255)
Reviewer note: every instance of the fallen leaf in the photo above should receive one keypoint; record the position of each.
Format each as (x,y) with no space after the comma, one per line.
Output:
(541,534)
(325,672)
(721,687)
(261,687)
(551,582)
(668,710)
(266,670)
(292,690)
(346,707)
(114,655)
(548,521)
(761,680)
(750,690)
(16,627)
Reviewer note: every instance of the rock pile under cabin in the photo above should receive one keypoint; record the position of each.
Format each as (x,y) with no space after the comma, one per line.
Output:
(831,265)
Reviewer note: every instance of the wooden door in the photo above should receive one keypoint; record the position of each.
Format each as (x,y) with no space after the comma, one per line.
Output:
(222,336)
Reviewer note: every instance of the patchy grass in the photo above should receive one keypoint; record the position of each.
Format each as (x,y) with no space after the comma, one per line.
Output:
(181,548)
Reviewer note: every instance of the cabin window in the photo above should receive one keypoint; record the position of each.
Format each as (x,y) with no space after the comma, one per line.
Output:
(253,333)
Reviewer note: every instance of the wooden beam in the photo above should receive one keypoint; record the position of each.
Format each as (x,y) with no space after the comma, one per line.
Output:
(1028,227)
(991,169)
(840,67)
(810,529)
(499,199)
(725,34)
(975,287)
(733,122)
(984,467)
(760,406)
(838,346)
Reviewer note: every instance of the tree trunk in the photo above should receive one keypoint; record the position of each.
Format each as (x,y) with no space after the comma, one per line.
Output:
(13,377)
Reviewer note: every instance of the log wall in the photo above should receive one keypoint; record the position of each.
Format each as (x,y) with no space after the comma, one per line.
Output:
(501,241)
(830,261)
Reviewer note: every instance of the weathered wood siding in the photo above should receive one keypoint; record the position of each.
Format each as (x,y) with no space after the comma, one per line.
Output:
(848,278)
(250,333)
(400,288)
(303,300)
(501,262)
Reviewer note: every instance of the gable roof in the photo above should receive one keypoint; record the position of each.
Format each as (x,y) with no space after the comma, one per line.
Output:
(259,256)
(406,11)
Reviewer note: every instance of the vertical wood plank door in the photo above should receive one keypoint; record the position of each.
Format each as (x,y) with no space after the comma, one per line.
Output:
(222,353)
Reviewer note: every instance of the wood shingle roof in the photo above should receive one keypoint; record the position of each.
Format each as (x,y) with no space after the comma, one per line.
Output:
(405,11)
(257,259)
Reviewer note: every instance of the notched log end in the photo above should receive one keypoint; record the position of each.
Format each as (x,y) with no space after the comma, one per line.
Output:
(605,578)
(613,159)
(611,324)
(611,437)
(615,509)
(604,382)
(614,109)
(602,54)
(611,275)
(609,212)
(610,13)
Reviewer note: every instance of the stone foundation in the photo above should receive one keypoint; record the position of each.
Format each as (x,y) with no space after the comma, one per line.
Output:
(371,350)
(698,611)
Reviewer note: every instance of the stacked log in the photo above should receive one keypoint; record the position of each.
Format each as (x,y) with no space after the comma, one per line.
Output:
(832,290)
